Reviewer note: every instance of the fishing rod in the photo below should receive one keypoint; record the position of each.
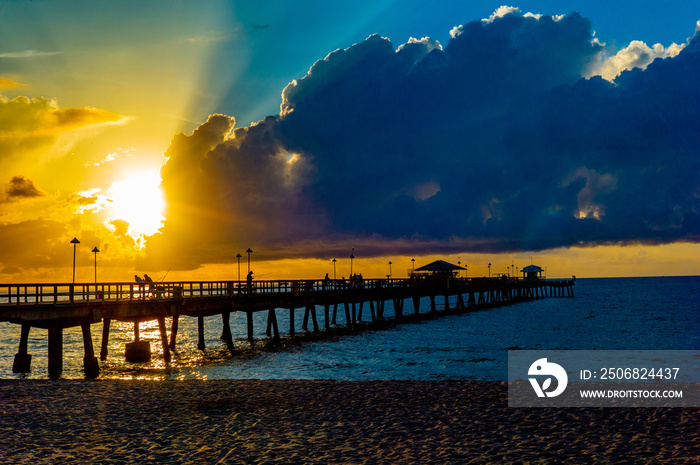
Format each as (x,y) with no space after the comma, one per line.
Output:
(166,274)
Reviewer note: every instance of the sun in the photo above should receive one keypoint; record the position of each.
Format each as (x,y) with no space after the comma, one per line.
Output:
(139,201)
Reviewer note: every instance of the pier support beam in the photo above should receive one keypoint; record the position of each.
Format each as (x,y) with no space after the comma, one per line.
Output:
(249,321)
(398,308)
(137,351)
(200,333)
(90,365)
(314,321)
(105,339)
(291,321)
(272,322)
(173,331)
(226,335)
(23,361)
(305,324)
(164,339)
(416,304)
(55,352)
(348,317)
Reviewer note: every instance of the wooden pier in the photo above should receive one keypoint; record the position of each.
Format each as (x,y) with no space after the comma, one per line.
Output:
(58,306)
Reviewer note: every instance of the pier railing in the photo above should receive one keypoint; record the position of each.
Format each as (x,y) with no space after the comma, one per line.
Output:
(21,295)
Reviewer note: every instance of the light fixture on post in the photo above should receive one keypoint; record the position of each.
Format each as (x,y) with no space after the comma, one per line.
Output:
(95,250)
(75,243)
(238,256)
(249,252)
(352,257)
(334,260)
(389,269)
(489,270)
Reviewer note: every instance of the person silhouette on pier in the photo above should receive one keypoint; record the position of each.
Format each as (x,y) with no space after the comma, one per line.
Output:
(249,281)
(149,284)
(139,280)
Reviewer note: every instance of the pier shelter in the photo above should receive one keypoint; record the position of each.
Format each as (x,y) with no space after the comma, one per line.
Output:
(438,268)
(532,273)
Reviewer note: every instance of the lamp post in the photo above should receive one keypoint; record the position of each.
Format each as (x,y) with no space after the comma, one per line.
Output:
(249,252)
(95,250)
(459,264)
(413,264)
(75,243)
(334,260)
(489,270)
(238,256)
(352,257)
(466,271)
(389,269)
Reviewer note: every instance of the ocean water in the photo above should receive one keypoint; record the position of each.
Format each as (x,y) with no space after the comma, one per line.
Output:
(660,313)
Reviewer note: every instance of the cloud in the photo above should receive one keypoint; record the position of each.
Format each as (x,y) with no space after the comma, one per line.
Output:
(494,142)
(21,188)
(28,54)
(636,55)
(28,124)
(6,83)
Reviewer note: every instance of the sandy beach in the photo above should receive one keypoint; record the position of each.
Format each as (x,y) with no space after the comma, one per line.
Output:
(298,421)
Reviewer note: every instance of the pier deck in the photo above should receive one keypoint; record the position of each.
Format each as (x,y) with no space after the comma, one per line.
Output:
(58,306)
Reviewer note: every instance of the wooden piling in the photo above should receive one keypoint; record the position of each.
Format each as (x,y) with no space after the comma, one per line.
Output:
(200,333)
(249,321)
(90,365)
(105,338)
(137,351)
(268,328)
(398,308)
(272,317)
(291,321)
(164,339)
(314,321)
(348,317)
(305,324)
(55,352)
(173,331)
(23,361)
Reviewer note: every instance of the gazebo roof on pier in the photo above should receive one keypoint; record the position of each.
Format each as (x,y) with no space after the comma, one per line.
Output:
(532,269)
(438,266)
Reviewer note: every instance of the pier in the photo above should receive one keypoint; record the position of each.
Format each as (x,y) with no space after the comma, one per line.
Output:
(58,306)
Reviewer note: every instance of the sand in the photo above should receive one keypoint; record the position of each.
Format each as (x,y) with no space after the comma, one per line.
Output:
(293,421)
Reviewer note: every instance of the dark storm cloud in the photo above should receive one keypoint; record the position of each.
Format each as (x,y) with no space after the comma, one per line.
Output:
(20,187)
(491,143)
